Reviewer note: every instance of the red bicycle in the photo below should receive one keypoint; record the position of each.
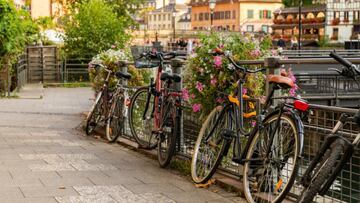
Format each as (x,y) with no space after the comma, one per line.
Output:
(155,110)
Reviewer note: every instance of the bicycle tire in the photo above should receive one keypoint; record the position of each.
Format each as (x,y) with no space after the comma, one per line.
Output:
(96,108)
(324,171)
(115,122)
(171,120)
(215,117)
(254,178)
(146,125)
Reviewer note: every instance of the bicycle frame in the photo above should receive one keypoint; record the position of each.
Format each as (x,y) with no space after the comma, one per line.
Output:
(349,149)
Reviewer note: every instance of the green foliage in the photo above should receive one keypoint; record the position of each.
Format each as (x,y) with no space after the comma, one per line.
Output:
(93,27)
(206,75)
(324,41)
(45,23)
(16,30)
(292,3)
(111,58)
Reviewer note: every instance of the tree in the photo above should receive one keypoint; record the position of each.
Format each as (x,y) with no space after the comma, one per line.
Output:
(293,3)
(16,29)
(93,27)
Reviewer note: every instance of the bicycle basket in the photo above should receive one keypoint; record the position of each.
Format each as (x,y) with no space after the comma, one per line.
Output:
(136,52)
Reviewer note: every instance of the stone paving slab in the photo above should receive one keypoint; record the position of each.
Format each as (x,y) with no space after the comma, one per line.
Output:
(45,158)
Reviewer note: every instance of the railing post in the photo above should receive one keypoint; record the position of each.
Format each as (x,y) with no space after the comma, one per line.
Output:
(177,66)
(272,66)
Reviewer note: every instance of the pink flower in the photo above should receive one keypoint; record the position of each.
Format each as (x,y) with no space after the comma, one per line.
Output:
(244,90)
(253,123)
(219,100)
(213,81)
(192,96)
(113,46)
(217,61)
(199,86)
(196,107)
(255,53)
(185,94)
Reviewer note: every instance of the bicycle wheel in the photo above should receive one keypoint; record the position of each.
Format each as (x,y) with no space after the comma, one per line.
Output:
(208,155)
(94,115)
(115,122)
(141,126)
(167,138)
(269,177)
(323,171)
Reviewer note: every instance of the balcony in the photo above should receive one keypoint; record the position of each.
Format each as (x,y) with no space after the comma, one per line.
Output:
(296,21)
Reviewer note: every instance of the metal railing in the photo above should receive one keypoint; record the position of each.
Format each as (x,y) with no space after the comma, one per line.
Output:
(346,188)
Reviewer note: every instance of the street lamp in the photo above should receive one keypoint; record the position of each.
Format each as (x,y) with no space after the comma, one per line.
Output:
(174,19)
(212,4)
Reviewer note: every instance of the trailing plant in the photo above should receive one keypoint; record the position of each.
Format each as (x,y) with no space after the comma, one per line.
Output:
(112,58)
(207,76)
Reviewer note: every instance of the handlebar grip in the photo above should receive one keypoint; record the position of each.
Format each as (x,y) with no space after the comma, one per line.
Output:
(341,60)
(143,64)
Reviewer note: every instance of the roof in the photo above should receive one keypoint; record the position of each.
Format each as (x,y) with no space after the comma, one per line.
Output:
(170,8)
(206,2)
(315,8)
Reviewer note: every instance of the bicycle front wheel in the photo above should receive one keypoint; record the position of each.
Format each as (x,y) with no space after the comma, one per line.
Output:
(268,177)
(95,114)
(115,122)
(323,172)
(141,118)
(167,138)
(210,145)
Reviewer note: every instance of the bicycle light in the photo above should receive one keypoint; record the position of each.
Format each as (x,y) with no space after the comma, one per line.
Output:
(301,105)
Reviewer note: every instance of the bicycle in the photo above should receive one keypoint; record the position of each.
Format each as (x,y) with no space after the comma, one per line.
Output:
(336,150)
(100,109)
(155,110)
(270,158)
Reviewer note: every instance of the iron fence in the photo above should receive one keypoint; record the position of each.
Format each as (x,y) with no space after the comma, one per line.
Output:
(346,188)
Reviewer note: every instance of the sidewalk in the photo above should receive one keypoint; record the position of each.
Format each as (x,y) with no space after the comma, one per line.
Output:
(45,158)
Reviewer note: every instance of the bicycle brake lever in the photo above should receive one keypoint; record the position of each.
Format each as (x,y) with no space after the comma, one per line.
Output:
(335,69)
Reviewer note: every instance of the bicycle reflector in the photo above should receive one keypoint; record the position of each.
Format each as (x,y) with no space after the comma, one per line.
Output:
(301,105)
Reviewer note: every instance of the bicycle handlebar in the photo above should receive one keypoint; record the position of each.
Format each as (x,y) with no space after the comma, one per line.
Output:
(161,55)
(220,52)
(351,70)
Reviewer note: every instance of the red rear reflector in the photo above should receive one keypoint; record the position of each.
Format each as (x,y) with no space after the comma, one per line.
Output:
(301,105)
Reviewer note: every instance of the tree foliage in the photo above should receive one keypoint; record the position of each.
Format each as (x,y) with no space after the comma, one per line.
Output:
(293,3)
(16,29)
(93,27)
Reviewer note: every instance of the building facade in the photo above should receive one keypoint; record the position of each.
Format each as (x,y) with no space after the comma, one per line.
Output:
(184,22)
(235,15)
(286,23)
(20,4)
(342,20)
(40,8)
(165,18)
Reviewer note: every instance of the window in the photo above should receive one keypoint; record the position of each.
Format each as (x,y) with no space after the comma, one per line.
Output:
(169,16)
(154,17)
(250,28)
(335,34)
(195,17)
(233,27)
(336,14)
(159,17)
(346,16)
(206,16)
(265,14)
(227,14)
(250,14)
(222,15)
(201,17)
(234,14)
(265,28)
(356,15)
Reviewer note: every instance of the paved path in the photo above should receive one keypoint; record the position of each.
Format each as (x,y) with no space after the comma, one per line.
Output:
(45,158)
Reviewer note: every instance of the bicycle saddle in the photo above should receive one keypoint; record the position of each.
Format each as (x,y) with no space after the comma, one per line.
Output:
(168,76)
(120,74)
(283,82)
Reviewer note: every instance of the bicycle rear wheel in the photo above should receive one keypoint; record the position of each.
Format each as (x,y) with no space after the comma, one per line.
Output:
(323,171)
(95,114)
(209,153)
(269,177)
(141,126)
(115,122)
(167,138)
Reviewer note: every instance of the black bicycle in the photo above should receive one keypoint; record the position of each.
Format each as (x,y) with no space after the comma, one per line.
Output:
(271,150)
(99,112)
(336,150)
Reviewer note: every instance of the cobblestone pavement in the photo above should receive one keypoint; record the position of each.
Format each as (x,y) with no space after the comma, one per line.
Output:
(45,158)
